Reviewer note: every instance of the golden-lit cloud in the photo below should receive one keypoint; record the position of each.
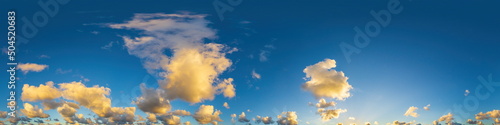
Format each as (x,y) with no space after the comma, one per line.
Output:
(207,114)
(482,116)
(122,115)
(67,111)
(494,113)
(3,114)
(31,67)
(325,82)
(151,117)
(180,113)
(323,104)
(226,105)
(411,112)
(327,114)
(265,120)
(448,118)
(170,119)
(95,97)
(153,101)
(288,118)
(41,93)
(190,73)
(33,111)
(427,107)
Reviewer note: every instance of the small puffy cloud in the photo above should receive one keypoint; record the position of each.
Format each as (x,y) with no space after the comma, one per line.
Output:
(265,53)
(448,118)
(351,118)
(3,114)
(151,117)
(265,120)
(482,116)
(67,111)
(170,119)
(325,82)
(327,114)
(152,101)
(255,75)
(467,92)
(31,67)
(401,123)
(226,105)
(187,123)
(427,107)
(494,113)
(122,115)
(470,121)
(33,111)
(243,118)
(206,114)
(323,104)
(95,98)
(411,112)
(496,121)
(287,118)
(227,88)
(41,93)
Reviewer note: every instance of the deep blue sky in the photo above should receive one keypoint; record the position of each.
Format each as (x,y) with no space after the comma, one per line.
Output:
(430,53)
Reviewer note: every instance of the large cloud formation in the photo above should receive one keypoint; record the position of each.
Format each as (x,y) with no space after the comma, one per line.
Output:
(411,112)
(325,81)
(153,101)
(287,118)
(31,67)
(193,67)
(206,114)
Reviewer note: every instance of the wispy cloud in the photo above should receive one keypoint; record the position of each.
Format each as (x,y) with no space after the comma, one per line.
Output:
(31,67)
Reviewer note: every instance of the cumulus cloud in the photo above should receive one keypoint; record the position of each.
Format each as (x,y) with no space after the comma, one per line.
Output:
(323,104)
(33,111)
(497,121)
(226,105)
(467,92)
(180,113)
(206,114)
(190,73)
(95,97)
(255,75)
(170,119)
(243,118)
(482,116)
(351,118)
(494,113)
(470,121)
(3,114)
(67,111)
(151,117)
(31,67)
(41,93)
(327,114)
(287,118)
(264,120)
(122,115)
(448,118)
(411,112)
(427,107)
(325,81)
(152,101)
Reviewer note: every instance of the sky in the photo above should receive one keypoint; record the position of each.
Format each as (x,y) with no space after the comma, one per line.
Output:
(404,62)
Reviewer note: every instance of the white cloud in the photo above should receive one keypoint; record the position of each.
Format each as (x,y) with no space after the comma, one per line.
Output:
(467,92)
(265,53)
(427,107)
(31,67)
(287,118)
(243,118)
(226,105)
(206,114)
(411,112)
(351,118)
(325,82)
(33,111)
(255,75)
(193,68)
